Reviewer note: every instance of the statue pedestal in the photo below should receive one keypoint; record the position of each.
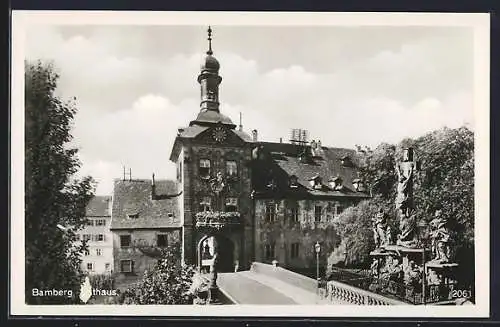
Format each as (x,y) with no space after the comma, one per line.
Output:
(441,280)
(401,270)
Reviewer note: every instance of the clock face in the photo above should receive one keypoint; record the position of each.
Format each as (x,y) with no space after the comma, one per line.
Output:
(219,134)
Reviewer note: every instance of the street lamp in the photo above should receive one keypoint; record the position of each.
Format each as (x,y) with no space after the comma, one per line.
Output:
(317,248)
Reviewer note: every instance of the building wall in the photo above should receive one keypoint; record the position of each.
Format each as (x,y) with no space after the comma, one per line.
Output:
(101,264)
(284,231)
(195,188)
(141,262)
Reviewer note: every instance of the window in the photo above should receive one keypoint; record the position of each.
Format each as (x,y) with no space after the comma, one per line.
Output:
(170,215)
(317,213)
(90,266)
(204,168)
(338,210)
(87,237)
(206,203)
(99,237)
(231,204)
(295,214)
(98,251)
(162,240)
(126,266)
(100,222)
(270,212)
(293,181)
(86,252)
(231,168)
(133,215)
(89,222)
(125,241)
(295,250)
(107,266)
(269,251)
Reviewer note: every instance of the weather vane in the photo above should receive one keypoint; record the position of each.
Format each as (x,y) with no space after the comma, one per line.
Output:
(209,52)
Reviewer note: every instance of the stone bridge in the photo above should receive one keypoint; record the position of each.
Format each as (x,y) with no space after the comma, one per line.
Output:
(266,284)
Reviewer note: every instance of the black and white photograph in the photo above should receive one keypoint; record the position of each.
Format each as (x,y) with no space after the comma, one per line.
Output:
(290,164)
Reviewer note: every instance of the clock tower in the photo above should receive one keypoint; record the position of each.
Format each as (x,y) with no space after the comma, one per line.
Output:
(212,158)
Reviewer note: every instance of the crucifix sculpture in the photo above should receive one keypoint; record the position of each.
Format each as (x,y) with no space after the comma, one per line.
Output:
(404,200)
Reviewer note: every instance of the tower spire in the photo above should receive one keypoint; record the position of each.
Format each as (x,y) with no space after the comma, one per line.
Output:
(209,52)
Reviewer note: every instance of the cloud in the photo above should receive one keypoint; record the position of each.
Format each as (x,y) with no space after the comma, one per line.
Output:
(136,85)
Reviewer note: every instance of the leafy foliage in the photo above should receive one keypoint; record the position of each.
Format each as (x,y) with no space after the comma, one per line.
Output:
(354,227)
(169,282)
(445,180)
(52,195)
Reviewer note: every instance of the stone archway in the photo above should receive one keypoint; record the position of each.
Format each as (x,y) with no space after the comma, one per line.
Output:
(208,245)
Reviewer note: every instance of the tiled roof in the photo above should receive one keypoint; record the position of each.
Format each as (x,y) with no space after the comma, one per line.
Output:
(134,197)
(98,206)
(326,166)
(191,131)
(211,117)
(244,136)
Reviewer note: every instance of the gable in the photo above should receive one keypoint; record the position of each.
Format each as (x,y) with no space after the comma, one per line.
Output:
(220,135)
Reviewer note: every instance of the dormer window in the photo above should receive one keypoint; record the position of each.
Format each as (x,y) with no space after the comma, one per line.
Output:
(231,204)
(315,182)
(293,181)
(204,168)
(231,168)
(170,215)
(336,183)
(133,215)
(346,161)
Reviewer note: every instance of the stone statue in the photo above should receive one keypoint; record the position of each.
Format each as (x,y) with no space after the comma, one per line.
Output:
(441,239)
(379,229)
(388,236)
(407,227)
(433,278)
(404,201)
(413,275)
(395,271)
(374,267)
(405,185)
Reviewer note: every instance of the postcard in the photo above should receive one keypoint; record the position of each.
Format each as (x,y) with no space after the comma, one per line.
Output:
(250,164)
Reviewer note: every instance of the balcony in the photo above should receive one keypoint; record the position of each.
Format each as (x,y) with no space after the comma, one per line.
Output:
(217,220)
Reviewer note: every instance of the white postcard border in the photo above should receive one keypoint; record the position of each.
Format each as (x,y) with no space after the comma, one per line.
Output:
(478,21)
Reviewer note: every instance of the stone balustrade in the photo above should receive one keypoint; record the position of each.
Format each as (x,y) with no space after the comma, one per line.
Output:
(346,294)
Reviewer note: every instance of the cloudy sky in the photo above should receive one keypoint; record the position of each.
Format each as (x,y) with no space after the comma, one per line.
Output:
(135,85)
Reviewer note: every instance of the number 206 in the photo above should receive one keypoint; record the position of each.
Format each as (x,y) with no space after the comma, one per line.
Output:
(460,293)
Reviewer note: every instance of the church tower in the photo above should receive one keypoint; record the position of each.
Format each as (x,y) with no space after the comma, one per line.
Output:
(212,158)
(209,79)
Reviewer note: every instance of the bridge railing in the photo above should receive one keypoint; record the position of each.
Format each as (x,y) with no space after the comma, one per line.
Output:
(333,291)
(336,291)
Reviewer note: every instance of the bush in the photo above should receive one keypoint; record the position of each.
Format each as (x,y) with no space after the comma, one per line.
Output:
(169,282)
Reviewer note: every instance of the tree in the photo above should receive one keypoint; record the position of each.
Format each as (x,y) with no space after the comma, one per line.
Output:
(354,226)
(445,181)
(169,282)
(52,195)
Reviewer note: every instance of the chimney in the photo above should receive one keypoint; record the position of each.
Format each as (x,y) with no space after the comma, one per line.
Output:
(254,135)
(110,205)
(153,188)
(281,140)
